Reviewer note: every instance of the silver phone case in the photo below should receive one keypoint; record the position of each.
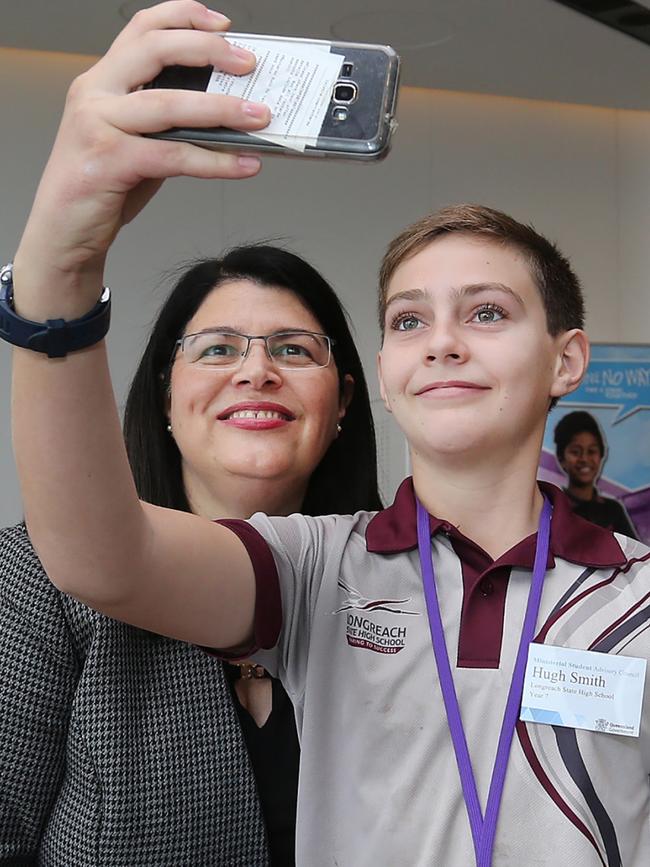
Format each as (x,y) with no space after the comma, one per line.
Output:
(366,132)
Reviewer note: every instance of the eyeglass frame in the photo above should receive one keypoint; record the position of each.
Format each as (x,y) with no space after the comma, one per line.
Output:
(331,342)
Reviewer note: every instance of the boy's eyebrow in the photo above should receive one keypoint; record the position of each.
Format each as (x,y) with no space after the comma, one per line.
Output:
(468,289)
(407,295)
(474,289)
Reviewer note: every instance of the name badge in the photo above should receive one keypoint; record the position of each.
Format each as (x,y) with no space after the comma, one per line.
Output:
(583,689)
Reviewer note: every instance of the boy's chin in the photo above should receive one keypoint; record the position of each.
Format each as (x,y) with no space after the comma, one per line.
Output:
(475,442)
(462,441)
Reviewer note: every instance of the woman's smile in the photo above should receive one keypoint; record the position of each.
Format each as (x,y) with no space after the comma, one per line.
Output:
(257,415)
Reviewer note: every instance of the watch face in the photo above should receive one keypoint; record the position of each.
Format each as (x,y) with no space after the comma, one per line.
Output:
(7,286)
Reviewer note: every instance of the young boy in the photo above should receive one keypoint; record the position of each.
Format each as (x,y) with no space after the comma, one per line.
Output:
(482,332)
(481,322)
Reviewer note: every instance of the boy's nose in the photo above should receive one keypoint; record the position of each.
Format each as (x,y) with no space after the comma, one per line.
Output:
(445,343)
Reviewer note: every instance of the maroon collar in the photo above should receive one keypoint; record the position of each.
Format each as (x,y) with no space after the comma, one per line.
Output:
(574,539)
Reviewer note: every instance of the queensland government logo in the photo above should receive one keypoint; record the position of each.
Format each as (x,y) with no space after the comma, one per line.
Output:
(378,633)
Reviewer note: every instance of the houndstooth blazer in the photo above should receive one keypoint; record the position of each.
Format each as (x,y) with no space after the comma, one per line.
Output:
(118,748)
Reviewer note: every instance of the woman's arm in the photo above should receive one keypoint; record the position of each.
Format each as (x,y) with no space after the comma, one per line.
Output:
(149,566)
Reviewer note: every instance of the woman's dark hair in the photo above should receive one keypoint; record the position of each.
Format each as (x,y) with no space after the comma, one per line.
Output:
(576,423)
(346,478)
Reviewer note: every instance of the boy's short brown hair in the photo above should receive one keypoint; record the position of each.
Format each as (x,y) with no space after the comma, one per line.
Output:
(558,285)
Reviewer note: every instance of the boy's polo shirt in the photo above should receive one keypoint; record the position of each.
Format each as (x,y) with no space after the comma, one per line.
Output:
(342,620)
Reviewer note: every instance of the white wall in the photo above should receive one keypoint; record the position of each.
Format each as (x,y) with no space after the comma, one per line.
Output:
(581,175)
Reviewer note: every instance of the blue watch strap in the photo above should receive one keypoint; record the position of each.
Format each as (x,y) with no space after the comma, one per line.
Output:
(55,337)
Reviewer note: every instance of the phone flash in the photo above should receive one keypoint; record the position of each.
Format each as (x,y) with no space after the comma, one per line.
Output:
(340,113)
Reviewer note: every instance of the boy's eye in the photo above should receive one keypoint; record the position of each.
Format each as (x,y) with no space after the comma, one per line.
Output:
(489,313)
(406,322)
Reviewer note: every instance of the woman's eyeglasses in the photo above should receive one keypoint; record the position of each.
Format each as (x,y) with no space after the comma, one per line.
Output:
(288,350)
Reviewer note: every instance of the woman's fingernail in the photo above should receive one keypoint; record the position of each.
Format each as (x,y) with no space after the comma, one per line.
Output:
(249,164)
(255,109)
(218,15)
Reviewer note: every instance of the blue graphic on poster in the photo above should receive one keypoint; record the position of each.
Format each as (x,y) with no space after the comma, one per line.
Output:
(616,392)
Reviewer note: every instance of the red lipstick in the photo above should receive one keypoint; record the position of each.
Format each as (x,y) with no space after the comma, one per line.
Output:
(256,415)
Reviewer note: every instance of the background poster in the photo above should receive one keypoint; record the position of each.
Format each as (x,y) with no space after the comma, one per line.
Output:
(616,391)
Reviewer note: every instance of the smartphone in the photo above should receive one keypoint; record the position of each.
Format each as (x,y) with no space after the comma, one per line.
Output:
(351,116)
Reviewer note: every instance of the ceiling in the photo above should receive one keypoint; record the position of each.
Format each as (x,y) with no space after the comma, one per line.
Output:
(524,48)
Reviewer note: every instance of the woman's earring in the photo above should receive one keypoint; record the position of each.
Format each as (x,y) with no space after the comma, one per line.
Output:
(169,427)
(338,429)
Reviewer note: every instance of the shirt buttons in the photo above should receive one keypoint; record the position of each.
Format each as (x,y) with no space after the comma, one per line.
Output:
(486,587)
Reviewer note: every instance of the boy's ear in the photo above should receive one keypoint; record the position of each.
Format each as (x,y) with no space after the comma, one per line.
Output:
(382,389)
(572,361)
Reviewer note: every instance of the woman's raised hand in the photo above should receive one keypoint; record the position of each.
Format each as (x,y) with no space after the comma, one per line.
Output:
(102,171)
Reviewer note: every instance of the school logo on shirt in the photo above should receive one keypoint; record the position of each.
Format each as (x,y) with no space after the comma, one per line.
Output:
(379,633)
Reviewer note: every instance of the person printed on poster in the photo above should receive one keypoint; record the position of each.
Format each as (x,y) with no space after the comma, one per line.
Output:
(581,451)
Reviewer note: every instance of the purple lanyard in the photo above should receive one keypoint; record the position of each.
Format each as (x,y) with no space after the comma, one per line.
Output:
(483,829)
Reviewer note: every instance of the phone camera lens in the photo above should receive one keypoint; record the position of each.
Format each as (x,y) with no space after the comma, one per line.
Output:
(346,70)
(345,93)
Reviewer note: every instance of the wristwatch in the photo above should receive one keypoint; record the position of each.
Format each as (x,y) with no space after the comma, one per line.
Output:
(56,337)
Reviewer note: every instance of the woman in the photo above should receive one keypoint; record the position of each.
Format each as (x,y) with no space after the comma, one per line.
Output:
(580,450)
(122,747)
